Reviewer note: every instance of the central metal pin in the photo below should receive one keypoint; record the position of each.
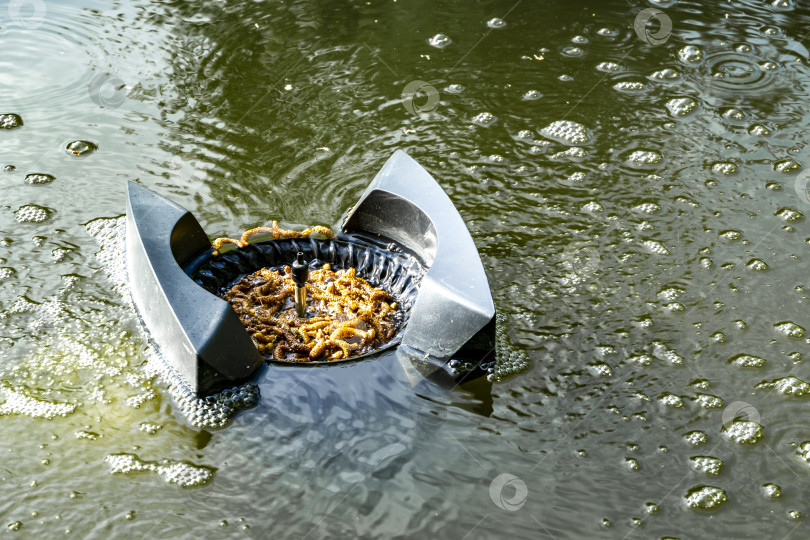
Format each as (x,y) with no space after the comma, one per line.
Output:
(300,274)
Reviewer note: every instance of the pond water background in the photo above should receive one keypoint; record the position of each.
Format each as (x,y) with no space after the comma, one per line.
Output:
(648,256)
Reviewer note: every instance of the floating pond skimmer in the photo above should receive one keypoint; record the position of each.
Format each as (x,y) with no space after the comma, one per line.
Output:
(404,235)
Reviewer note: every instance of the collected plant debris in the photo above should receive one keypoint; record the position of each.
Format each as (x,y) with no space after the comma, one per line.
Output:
(346,316)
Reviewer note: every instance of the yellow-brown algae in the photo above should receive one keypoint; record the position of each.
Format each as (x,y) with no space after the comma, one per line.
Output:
(275,231)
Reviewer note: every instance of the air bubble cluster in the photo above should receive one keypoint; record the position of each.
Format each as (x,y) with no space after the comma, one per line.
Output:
(786,166)
(803,451)
(790,329)
(215,410)
(150,428)
(743,432)
(567,132)
(666,74)
(656,247)
(484,119)
(109,233)
(788,386)
(180,473)
(789,214)
(39,178)
(508,359)
(671,400)
(643,158)
(758,130)
(748,361)
(18,403)
(724,168)
(706,464)
(705,497)
(708,401)
(757,265)
(695,438)
(681,106)
(31,213)
(629,86)
(608,67)
(574,152)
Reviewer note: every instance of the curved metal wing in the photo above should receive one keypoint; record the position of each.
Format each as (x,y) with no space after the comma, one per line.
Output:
(198,333)
(405,204)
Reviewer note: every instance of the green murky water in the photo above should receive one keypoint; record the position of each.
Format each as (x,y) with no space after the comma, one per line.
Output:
(636,182)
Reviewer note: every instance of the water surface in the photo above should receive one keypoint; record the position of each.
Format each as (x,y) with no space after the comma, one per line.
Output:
(637,192)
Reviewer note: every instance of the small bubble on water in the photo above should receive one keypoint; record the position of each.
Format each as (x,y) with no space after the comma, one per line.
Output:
(565,78)
(690,54)
(10,121)
(532,95)
(608,67)
(439,41)
(608,31)
(681,106)
(629,86)
(794,514)
(39,178)
(666,74)
(758,130)
(723,167)
(771,491)
(496,23)
(771,31)
(733,114)
(786,166)
(484,119)
(572,51)
(81,148)
(454,88)
(757,265)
